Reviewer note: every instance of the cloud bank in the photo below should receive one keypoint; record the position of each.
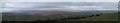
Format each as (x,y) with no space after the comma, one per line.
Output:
(8,7)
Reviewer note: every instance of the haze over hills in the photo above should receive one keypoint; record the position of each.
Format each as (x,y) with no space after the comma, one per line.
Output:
(30,11)
(44,15)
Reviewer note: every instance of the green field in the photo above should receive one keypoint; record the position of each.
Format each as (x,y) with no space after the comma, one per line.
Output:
(103,17)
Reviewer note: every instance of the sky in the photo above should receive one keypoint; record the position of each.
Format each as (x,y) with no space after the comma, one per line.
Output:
(60,0)
(15,5)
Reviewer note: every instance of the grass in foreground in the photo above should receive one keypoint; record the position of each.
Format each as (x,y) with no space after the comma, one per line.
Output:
(103,17)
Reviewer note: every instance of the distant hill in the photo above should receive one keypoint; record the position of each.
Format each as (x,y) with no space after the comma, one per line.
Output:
(45,15)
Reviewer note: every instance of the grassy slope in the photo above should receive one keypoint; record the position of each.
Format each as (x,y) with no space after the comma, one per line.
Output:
(104,17)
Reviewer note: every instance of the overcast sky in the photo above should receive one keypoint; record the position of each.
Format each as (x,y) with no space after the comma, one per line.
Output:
(55,6)
(12,6)
(60,0)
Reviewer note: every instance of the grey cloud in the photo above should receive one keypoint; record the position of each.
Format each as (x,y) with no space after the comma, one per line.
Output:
(60,5)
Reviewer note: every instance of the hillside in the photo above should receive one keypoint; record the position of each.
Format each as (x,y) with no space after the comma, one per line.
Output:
(103,17)
(48,15)
(58,15)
